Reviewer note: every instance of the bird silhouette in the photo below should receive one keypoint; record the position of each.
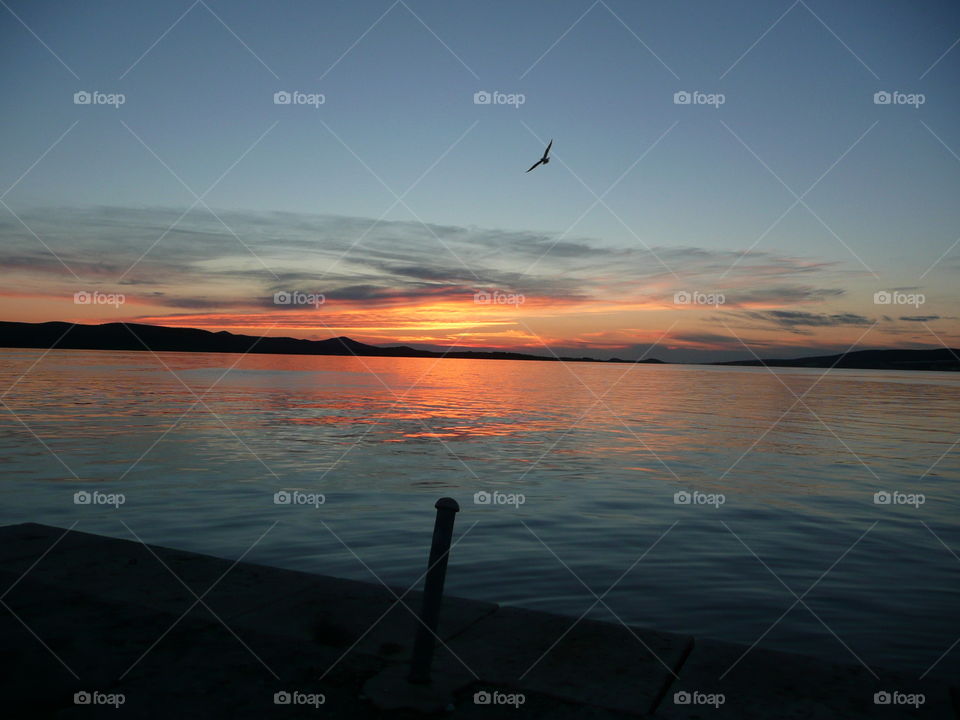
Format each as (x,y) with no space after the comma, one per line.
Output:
(545,159)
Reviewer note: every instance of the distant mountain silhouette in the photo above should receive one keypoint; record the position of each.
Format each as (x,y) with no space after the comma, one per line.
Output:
(942,359)
(134,336)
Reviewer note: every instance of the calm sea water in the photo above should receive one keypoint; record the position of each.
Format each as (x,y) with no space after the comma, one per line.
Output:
(199,444)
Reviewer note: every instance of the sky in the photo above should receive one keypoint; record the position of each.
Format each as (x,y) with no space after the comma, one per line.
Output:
(727,179)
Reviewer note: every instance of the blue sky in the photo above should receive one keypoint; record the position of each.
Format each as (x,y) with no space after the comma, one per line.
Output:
(398,79)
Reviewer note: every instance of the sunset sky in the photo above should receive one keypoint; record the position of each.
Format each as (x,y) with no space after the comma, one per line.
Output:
(780,213)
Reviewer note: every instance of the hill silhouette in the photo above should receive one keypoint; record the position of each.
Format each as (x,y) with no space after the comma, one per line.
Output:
(159,338)
(941,359)
(135,336)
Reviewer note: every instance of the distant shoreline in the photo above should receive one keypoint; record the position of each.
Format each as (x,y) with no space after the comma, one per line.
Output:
(159,338)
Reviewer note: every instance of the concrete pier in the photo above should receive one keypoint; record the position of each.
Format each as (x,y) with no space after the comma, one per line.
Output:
(100,627)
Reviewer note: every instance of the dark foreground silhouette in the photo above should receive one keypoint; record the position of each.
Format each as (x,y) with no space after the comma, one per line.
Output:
(143,631)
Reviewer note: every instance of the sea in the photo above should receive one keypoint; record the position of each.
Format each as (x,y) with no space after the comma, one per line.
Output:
(804,510)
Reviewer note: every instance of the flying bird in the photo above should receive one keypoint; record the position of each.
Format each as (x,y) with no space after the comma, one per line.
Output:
(545,159)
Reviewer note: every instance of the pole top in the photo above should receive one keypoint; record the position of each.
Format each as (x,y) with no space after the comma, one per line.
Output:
(447,503)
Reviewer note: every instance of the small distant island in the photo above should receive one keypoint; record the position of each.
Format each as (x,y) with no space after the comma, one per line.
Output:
(158,338)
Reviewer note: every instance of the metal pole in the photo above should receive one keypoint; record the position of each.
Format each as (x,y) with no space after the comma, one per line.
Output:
(447,509)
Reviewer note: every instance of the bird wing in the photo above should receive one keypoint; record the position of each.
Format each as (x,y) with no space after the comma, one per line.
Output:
(538,162)
(547,151)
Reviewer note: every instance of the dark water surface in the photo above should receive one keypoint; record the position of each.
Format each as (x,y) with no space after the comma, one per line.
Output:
(198,444)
